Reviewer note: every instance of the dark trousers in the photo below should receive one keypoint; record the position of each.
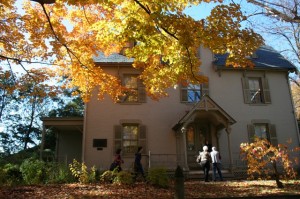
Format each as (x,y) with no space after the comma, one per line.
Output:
(206,169)
(217,167)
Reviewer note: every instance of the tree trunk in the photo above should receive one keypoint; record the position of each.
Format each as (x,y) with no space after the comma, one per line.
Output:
(279,184)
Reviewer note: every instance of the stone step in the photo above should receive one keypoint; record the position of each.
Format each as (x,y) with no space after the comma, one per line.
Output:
(200,175)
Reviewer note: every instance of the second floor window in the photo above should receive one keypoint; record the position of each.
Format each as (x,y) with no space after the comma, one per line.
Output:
(193,92)
(256,90)
(134,89)
(130,82)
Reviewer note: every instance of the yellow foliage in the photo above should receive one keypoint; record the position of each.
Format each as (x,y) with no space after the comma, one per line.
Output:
(69,33)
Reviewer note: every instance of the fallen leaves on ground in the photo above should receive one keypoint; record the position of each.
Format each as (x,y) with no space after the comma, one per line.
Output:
(193,189)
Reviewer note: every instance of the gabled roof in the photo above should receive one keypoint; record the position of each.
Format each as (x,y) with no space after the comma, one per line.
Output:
(264,58)
(206,104)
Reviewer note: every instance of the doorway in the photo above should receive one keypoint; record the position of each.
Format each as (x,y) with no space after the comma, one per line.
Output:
(196,135)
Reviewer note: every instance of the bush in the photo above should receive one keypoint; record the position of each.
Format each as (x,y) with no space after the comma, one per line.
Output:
(107,176)
(123,178)
(80,171)
(33,171)
(158,177)
(58,173)
(10,175)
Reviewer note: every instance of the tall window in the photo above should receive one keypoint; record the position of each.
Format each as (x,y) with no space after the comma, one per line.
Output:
(130,82)
(134,89)
(129,136)
(256,90)
(190,135)
(193,92)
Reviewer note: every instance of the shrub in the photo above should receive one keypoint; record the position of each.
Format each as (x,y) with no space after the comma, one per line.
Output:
(33,171)
(123,178)
(80,171)
(158,177)
(107,176)
(10,175)
(58,173)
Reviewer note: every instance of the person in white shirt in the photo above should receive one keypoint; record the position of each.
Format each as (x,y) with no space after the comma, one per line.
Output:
(216,163)
(204,160)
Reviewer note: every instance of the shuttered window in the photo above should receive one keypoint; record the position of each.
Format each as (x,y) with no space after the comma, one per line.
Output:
(134,89)
(262,130)
(129,137)
(193,92)
(256,90)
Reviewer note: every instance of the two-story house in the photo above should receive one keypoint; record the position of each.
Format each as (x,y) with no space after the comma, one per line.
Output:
(235,105)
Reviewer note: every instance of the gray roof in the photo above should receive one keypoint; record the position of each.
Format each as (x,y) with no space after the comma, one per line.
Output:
(265,58)
(113,58)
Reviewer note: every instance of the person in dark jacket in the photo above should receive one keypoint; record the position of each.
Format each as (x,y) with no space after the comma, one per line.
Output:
(138,167)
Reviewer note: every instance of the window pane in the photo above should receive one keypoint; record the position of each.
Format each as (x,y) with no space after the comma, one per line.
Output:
(261,130)
(193,93)
(130,82)
(255,90)
(130,138)
(190,139)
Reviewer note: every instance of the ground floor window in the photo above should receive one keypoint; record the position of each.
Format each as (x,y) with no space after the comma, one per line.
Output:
(129,136)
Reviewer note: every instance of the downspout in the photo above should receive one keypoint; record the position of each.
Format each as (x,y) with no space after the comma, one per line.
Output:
(84,131)
(42,142)
(293,106)
(228,130)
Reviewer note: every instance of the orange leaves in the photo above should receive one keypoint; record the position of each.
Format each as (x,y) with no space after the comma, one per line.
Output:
(260,155)
(69,33)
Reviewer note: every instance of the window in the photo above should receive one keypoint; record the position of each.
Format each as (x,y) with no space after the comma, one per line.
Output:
(190,139)
(129,137)
(193,93)
(263,130)
(256,90)
(134,89)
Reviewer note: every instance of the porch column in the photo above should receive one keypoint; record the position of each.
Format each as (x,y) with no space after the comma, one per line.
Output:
(42,142)
(183,131)
(228,130)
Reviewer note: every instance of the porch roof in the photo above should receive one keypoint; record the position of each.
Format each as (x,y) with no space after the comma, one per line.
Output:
(207,108)
(64,123)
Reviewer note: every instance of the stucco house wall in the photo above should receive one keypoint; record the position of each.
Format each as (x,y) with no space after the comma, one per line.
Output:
(159,117)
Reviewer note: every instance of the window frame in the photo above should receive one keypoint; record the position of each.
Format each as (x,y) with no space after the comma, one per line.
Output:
(184,92)
(264,92)
(141,138)
(140,90)
(271,134)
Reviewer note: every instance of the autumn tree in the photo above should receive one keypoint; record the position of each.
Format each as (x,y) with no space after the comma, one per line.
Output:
(32,95)
(279,20)
(68,34)
(264,160)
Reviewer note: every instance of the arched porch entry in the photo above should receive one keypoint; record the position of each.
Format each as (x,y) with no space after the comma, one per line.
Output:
(201,125)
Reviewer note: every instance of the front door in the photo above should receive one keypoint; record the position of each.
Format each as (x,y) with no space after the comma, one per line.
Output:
(196,135)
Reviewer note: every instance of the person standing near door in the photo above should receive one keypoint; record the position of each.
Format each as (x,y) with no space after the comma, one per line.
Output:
(216,163)
(204,160)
